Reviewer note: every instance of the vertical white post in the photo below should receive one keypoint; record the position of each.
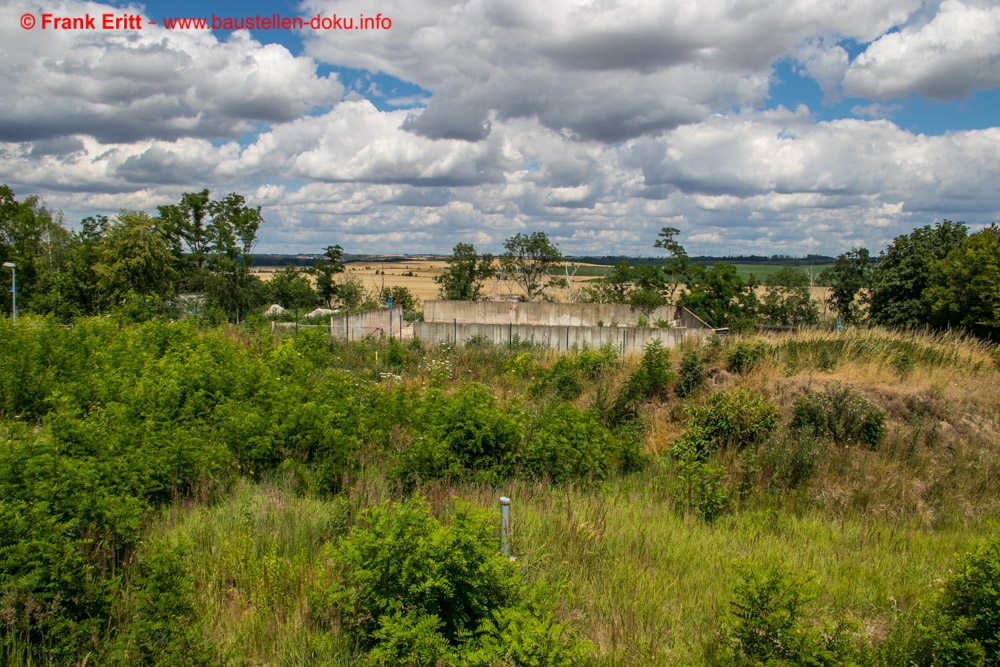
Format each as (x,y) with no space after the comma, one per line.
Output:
(505,525)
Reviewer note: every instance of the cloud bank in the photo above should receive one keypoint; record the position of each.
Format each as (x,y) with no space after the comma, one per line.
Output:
(598,123)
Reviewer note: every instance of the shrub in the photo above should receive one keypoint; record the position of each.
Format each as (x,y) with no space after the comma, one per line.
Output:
(696,487)
(562,380)
(651,378)
(161,625)
(692,376)
(593,362)
(903,364)
(790,461)
(401,560)
(967,627)
(481,434)
(568,442)
(519,636)
(842,414)
(996,357)
(745,356)
(522,366)
(767,623)
(736,419)
(412,591)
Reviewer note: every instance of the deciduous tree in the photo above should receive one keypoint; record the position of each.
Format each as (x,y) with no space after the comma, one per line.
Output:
(903,272)
(466,273)
(966,286)
(787,301)
(849,280)
(528,260)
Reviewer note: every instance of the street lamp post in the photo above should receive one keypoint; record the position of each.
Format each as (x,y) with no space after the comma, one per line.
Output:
(13,284)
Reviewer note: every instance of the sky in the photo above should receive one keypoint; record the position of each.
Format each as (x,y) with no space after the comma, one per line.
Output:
(752,126)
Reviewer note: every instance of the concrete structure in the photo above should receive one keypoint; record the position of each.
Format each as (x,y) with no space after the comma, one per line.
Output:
(558,325)
(358,326)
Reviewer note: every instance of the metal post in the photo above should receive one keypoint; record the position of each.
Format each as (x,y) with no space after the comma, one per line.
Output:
(505,525)
(13,286)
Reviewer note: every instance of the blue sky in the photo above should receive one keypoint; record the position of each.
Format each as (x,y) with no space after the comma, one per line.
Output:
(774,127)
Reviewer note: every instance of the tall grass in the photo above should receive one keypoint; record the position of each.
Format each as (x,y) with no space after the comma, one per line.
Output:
(644,582)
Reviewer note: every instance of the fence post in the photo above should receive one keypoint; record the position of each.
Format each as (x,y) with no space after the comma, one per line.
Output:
(505,525)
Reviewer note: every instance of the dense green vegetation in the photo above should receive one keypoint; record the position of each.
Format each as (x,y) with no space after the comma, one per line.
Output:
(170,495)
(197,493)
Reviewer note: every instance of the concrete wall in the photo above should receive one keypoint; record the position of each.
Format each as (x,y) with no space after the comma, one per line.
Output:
(357,326)
(561,314)
(629,340)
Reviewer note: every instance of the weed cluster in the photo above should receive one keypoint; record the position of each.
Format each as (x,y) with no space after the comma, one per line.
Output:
(842,414)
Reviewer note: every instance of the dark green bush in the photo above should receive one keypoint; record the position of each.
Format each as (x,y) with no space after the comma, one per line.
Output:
(594,362)
(996,358)
(480,433)
(567,442)
(695,486)
(414,592)
(402,560)
(735,419)
(650,379)
(562,381)
(160,624)
(967,610)
(744,356)
(523,636)
(767,624)
(692,375)
(790,461)
(842,414)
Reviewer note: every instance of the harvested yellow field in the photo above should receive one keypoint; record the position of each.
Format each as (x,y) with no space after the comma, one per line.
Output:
(417,275)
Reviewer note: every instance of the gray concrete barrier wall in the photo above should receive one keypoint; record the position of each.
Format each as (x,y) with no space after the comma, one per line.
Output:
(357,326)
(553,314)
(629,340)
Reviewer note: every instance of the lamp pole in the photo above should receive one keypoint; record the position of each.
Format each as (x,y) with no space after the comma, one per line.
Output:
(13,284)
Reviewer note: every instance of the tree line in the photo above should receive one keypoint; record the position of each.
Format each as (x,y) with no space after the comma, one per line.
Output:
(939,276)
(142,264)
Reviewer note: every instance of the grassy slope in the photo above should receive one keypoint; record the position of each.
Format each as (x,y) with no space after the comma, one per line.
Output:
(644,582)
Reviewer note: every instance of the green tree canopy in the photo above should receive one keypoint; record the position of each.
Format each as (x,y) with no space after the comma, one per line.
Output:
(466,273)
(324,270)
(848,278)
(720,297)
(788,301)
(135,260)
(903,272)
(966,285)
(676,265)
(290,289)
(528,260)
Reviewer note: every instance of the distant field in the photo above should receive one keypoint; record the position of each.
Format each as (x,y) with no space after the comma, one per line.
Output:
(418,276)
(762,271)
